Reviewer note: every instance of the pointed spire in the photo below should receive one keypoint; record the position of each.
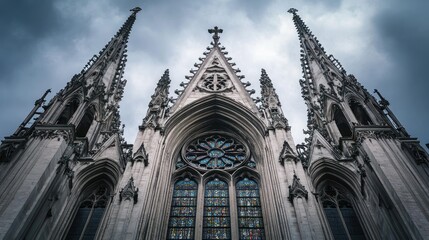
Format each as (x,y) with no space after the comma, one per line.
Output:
(159,102)
(268,92)
(271,103)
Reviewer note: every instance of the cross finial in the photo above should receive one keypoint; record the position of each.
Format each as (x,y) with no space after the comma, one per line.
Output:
(216,32)
(136,10)
(292,10)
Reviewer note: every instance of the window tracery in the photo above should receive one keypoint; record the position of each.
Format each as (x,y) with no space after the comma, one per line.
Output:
(215,152)
(215,78)
(340,214)
(89,215)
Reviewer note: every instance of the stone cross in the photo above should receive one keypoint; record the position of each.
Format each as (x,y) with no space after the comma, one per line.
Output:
(136,10)
(216,32)
(292,10)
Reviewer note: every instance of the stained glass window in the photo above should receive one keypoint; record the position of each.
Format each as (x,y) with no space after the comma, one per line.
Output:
(215,151)
(250,223)
(216,224)
(89,215)
(341,217)
(183,210)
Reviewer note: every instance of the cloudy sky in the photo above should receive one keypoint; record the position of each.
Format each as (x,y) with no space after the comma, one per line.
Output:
(384,43)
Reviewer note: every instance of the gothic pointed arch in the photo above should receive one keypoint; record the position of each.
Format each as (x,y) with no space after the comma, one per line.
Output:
(183,209)
(341,121)
(340,213)
(214,113)
(90,213)
(68,111)
(359,111)
(86,121)
(340,200)
(90,194)
(249,206)
(216,214)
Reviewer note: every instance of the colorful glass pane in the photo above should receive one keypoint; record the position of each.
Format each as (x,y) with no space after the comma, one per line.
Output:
(250,222)
(216,223)
(215,151)
(183,210)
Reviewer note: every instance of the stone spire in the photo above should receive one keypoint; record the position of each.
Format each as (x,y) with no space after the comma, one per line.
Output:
(270,102)
(338,105)
(159,102)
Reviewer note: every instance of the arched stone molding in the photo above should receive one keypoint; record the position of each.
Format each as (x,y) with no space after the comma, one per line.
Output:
(214,112)
(101,166)
(216,174)
(246,172)
(188,172)
(322,168)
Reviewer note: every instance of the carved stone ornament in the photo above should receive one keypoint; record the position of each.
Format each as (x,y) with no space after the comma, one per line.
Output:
(297,190)
(215,78)
(129,191)
(287,154)
(8,147)
(51,132)
(141,156)
(279,121)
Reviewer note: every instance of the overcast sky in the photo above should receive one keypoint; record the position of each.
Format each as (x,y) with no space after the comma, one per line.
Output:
(383,43)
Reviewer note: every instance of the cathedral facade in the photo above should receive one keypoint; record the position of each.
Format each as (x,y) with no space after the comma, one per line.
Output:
(213,163)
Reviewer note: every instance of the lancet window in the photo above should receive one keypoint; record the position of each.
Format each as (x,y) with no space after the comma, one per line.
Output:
(340,214)
(85,122)
(360,113)
(183,210)
(68,111)
(341,122)
(89,215)
(250,221)
(216,223)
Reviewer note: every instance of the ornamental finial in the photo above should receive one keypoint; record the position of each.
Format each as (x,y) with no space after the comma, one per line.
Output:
(293,11)
(136,10)
(216,32)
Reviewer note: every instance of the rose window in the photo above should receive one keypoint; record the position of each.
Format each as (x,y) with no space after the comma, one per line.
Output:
(215,151)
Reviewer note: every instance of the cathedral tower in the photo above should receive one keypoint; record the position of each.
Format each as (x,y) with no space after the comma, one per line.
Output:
(68,160)
(360,159)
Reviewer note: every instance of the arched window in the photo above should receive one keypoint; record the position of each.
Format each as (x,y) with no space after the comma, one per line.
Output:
(89,215)
(68,111)
(341,217)
(227,155)
(216,223)
(85,122)
(341,121)
(360,113)
(250,221)
(183,210)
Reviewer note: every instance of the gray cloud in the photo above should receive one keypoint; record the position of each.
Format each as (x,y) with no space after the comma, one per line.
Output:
(384,44)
